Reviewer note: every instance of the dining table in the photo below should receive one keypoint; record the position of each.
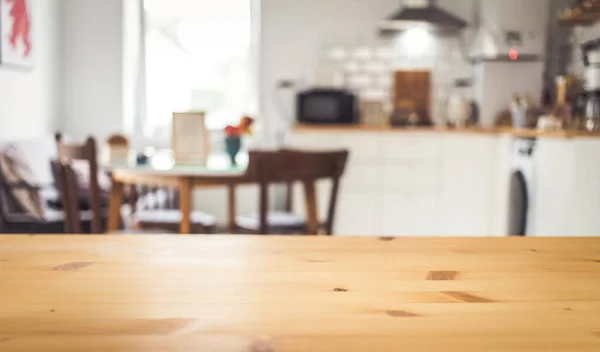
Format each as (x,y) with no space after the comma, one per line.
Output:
(298,293)
(183,178)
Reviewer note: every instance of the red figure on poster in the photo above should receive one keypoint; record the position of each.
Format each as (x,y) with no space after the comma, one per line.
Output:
(20,26)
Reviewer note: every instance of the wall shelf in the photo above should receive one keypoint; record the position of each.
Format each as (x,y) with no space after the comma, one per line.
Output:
(582,13)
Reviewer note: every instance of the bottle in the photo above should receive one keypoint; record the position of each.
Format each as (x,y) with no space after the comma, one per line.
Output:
(517,110)
(459,106)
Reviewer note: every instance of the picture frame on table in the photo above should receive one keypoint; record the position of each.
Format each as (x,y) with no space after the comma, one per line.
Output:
(190,139)
(17,45)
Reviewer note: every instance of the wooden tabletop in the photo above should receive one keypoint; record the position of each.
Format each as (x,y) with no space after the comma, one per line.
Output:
(117,293)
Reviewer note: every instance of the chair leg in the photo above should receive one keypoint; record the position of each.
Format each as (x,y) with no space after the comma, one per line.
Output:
(310,198)
(231,207)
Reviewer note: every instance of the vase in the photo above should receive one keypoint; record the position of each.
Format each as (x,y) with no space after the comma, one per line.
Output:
(233,144)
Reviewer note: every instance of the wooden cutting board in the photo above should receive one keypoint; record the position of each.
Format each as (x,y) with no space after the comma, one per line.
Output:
(414,86)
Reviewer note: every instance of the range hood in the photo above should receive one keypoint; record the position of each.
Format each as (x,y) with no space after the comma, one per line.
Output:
(507,45)
(422,13)
(499,40)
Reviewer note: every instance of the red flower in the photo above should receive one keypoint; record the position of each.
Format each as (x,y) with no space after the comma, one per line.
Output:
(232,131)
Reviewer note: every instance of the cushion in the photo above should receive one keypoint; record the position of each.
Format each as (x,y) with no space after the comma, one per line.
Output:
(57,215)
(52,215)
(164,216)
(15,170)
(36,153)
(274,219)
(82,172)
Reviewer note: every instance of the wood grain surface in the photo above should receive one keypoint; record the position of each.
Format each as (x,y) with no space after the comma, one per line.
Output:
(413,86)
(253,293)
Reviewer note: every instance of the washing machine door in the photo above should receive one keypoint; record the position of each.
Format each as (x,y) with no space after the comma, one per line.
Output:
(518,205)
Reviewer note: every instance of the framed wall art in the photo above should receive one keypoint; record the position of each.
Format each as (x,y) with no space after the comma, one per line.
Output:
(191,140)
(16,33)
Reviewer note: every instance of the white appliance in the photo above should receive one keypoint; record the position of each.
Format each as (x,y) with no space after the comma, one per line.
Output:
(522,198)
(592,74)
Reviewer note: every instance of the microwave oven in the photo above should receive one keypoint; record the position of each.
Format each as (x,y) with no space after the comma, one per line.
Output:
(327,106)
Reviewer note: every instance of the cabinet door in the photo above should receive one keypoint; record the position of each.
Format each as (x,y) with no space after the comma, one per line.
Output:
(397,146)
(406,214)
(426,214)
(584,207)
(410,175)
(551,203)
(362,145)
(397,215)
(467,186)
(358,214)
(361,175)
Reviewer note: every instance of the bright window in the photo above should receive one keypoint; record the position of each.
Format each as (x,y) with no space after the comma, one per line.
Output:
(198,57)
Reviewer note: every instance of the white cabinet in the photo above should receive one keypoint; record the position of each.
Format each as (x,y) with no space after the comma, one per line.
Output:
(391,185)
(361,175)
(567,188)
(362,145)
(410,183)
(409,214)
(411,175)
(411,145)
(358,214)
(358,208)
(585,202)
(467,185)
(397,217)
(501,185)
(552,187)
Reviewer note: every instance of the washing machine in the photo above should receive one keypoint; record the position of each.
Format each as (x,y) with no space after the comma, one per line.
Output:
(521,200)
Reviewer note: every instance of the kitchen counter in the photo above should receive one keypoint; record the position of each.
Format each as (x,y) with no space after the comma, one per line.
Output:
(259,293)
(518,133)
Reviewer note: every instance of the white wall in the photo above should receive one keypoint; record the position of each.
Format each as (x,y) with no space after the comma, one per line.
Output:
(29,98)
(92,67)
(294,31)
(292,34)
(528,14)
(498,82)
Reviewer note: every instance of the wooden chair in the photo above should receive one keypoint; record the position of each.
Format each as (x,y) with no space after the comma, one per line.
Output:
(67,186)
(86,152)
(74,216)
(289,167)
(148,219)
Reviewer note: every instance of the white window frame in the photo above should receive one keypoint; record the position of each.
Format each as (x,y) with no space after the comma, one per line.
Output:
(135,88)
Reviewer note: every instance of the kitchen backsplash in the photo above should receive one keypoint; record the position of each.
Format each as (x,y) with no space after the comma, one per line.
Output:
(368,69)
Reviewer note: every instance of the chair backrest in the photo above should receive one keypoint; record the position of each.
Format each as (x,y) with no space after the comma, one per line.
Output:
(69,192)
(290,166)
(88,152)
